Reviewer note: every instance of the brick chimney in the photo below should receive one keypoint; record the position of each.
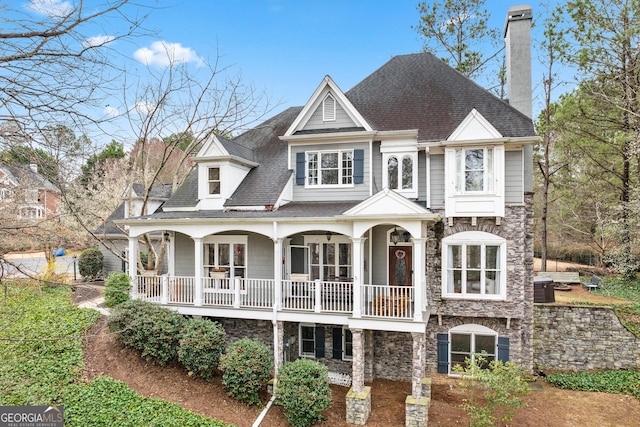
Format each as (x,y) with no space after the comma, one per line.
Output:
(517,38)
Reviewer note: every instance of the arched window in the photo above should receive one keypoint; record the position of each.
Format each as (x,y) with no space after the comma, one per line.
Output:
(407,172)
(392,172)
(468,342)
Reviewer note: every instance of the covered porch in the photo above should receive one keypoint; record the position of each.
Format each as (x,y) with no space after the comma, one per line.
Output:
(328,297)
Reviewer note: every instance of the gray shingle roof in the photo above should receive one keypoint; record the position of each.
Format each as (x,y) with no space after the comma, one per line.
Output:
(264,183)
(25,177)
(419,91)
(236,149)
(158,191)
(414,91)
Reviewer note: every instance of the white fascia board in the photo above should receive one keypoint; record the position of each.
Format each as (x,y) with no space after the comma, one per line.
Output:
(333,137)
(315,100)
(522,140)
(211,144)
(227,158)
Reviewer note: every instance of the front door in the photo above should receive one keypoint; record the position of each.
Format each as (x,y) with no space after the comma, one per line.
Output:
(400,271)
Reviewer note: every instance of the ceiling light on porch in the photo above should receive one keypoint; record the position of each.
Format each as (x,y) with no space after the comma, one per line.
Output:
(395,236)
(329,234)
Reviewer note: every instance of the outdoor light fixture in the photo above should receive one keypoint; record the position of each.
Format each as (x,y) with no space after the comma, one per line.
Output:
(329,234)
(395,236)
(407,236)
(166,236)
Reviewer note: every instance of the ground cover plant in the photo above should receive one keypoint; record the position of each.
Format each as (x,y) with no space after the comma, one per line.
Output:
(42,333)
(622,382)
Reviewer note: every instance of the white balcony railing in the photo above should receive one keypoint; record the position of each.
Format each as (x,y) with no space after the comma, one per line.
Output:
(308,296)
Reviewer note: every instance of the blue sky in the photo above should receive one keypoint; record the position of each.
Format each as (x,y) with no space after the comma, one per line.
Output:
(286,47)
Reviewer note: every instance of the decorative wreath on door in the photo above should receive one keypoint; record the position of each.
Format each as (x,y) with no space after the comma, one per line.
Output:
(400,254)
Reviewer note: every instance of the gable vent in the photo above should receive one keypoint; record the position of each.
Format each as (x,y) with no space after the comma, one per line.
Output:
(329,108)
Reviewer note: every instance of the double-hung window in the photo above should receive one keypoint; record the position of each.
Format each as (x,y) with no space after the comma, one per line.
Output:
(307,336)
(330,168)
(474,266)
(213,180)
(474,170)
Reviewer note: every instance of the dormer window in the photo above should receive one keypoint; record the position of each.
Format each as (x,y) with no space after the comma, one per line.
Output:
(474,170)
(329,108)
(213,180)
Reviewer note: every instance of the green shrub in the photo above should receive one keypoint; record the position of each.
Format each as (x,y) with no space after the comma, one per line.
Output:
(246,366)
(303,390)
(495,390)
(202,342)
(90,263)
(116,289)
(153,331)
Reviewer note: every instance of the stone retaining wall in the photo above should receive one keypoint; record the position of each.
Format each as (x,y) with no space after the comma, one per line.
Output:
(582,338)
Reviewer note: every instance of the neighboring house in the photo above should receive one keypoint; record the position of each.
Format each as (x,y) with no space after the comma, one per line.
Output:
(386,231)
(26,194)
(113,237)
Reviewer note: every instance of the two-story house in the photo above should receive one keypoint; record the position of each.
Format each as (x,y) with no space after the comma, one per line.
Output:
(385,231)
(26,194)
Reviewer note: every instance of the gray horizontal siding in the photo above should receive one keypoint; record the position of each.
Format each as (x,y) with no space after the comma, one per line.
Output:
(355,192)
(184,255)
(342,120)
(111,263)
(436,180)
(514,177)
(260,257)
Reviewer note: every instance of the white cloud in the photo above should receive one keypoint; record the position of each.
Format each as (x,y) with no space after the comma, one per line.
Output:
(97,40)
(52,8)
(143,108)
(111,111)
(163,54)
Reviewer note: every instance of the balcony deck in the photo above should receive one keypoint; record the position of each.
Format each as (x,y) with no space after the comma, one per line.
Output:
(319,297)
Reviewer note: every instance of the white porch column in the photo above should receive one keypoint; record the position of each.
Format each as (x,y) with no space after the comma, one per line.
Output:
(171,261)
(358,271)
(419,278)
(198,253)
(133,266)
(277,273)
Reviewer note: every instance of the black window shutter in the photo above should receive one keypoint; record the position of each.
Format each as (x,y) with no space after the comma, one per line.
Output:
(358,166)
(300,166)
(319,342)
(337,343)
(443,353)
(503,349)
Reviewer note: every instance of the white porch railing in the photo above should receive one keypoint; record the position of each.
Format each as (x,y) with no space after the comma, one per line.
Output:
(310,296)
(388,301)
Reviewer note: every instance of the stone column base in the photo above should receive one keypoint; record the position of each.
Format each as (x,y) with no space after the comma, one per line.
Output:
(416,411)
(358,406)
(426,387)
